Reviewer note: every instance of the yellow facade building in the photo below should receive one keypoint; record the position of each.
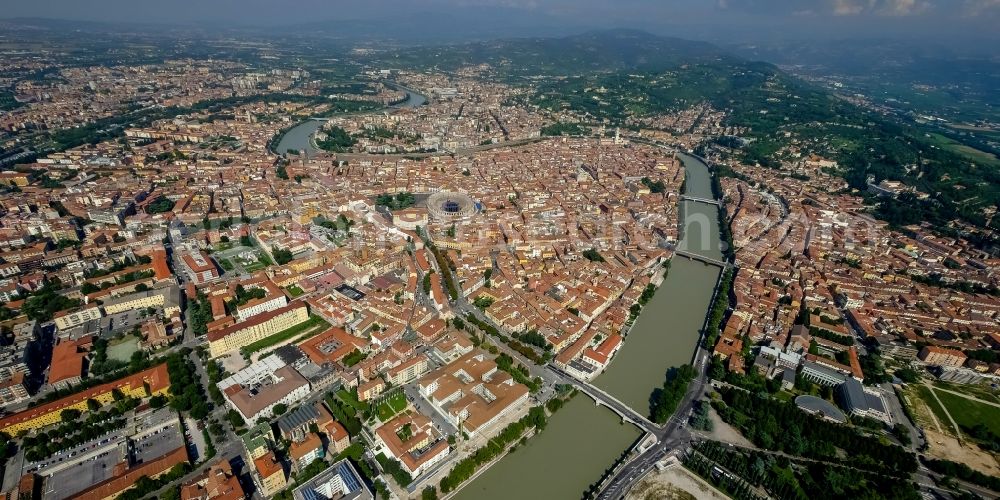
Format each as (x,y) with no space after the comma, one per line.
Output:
(256,328)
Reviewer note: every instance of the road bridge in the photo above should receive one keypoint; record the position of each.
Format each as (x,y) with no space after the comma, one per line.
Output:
(706,260)
(627,414)
(602,398)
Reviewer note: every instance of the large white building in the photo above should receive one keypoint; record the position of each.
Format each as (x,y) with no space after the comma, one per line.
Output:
(472,392)
(255,390)
(339,481)
(260,306)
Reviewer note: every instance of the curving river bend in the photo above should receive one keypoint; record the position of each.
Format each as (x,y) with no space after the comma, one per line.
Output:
(299,137)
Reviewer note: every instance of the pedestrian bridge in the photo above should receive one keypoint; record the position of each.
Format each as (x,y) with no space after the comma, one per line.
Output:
(710,201)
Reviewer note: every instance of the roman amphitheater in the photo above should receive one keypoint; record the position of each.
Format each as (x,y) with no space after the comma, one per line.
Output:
(450,205)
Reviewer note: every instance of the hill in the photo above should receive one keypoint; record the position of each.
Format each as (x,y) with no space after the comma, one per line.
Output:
(612,76)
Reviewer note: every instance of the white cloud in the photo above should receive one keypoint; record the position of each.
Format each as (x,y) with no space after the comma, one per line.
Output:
(980,7)
(903,7)
(848,7)
(883,7)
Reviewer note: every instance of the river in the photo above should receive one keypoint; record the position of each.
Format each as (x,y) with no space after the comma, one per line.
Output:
(299,137)
(582,440)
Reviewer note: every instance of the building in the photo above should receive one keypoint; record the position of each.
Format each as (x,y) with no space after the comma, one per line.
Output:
(859,400)
(113,213)
(295,424)
(166,297)
(412,440)
(340,482)
(598,358)
(146,383)
(370,389)
(821,374)
(337,438)
(258,440)
(407,370)
(12,387)
(306,451)
(256,328)
(410,219)
(217,483)
(269,475)
(68,355)
(452,345)
(67,320)
(199,267)
(934,355)
(255,390)
(260,306)
(821,408)
(472,392)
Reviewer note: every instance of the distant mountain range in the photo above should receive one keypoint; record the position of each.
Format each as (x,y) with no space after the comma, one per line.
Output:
(600,51)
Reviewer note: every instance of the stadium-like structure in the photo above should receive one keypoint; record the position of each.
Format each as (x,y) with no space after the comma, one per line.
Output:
(450,205)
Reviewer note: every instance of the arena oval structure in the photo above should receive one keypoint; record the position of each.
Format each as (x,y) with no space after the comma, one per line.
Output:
(451,205)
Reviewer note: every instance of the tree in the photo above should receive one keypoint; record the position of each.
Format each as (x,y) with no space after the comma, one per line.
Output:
(700,419)
(663,401)
(592,255)
(158,401)
(717,371)
(235,419)
(160,205)
(908,375)
(429,493)
(200,410)
(69,415)
(902,433)
(427,283)
(337,140)
(93,405)
(280,408)
(43,304)
(281,255)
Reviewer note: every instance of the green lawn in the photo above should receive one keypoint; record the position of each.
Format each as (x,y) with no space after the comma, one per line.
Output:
(226,264)
(256,266)
(352,400)
(313,325)
(925,394)
(968,413)
(391,406)
(977,391)
(785,396)
(966,151)
(294,291)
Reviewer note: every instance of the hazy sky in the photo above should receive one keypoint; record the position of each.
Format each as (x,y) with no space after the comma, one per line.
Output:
(718,19)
